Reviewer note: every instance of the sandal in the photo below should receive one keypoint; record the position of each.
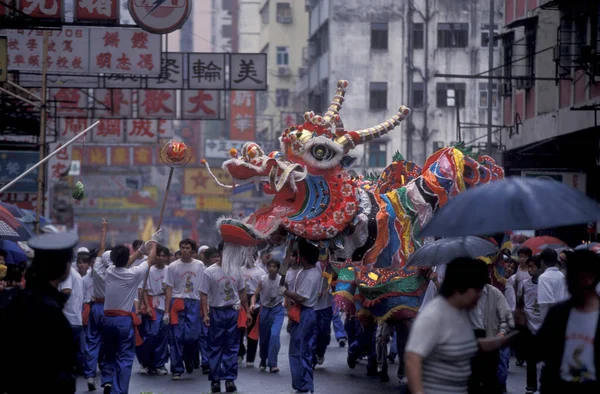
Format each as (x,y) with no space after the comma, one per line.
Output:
(273,369)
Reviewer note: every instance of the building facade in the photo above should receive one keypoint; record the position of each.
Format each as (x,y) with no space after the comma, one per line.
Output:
(283,34)
(391,52)
(551,95)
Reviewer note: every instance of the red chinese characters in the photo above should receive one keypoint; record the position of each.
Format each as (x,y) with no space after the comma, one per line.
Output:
(115,103)
(156,103)
(141,130)
(59,164)
(97,10)
(70,127)
(69,102)
(109,130)
(200,104)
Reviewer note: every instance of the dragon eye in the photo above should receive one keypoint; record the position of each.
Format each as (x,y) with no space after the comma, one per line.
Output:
(322,152)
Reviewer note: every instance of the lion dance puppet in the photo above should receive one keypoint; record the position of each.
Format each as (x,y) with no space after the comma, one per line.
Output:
(369,227)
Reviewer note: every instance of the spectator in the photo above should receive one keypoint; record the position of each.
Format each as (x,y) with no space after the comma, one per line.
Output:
(552,285)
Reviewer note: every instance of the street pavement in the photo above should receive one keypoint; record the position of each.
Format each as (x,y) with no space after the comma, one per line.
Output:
(333,376)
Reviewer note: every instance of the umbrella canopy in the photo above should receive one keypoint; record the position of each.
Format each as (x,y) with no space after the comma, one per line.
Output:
(14,254)
(11,229)
(509,204)
(594,246)
(537,244)
(443,251)
(13,209)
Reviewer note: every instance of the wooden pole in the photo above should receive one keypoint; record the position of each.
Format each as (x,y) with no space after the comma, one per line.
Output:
(41,181)
(164,204)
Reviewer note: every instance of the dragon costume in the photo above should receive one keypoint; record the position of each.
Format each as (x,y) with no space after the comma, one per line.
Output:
(370,227)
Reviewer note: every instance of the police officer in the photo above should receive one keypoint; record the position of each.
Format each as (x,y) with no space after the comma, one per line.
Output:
(36,335)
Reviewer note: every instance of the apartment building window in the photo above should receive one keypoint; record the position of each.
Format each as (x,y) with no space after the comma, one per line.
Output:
(418,95)
(283,56)
(284,12)
(379,36)
(507,55)
(282,97)
(264,13)
(377,154)
(319,42)
(483,95)
(460,94)
(530,39)
(378,95)
(485,34)
(418,33)
(453,35)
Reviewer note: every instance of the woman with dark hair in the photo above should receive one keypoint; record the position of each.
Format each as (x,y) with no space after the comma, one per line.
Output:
(442,343)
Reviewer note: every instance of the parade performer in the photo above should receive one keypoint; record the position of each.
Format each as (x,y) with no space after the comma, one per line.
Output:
(223,290)
(324,316)
(182,303)
(271,316)
(252,275)
(120,324)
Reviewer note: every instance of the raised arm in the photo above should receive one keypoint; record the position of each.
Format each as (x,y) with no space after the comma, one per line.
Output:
(103,237)
(253,299)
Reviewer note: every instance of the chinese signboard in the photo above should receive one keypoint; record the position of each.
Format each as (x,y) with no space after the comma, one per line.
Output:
(157,104)
(200,104)
(146,198)
(160,17)
(70,127)
(97,11)
(43,9)
(248,71)
(243,109)
(219,149)
(141,131)
(206,71)
(115,103)
(70,102)
(13,164)
(86,50)
(289,119)
(3,59)
(59,165)
(198,182)
(171,72)
(60,81)
(109,131)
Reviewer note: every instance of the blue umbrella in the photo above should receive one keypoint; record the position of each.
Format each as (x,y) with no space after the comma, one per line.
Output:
(445,250)
(509,204)
(13,209)
(14,254)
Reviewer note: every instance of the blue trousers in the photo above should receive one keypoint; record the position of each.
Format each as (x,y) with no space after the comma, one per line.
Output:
(503,365)
(203,345)
(302,336)
(119,348)
(185,335)
(338,326)
(223,344)
(79,341)
(94,348)
(271,320)
(154,352)
(363,343)
(322,333)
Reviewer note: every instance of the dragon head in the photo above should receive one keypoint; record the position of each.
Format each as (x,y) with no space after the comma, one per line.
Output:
(314,196)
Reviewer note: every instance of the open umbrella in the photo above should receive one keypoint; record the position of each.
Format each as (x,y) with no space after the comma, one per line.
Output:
(509,204)
(445,250)
(11,229)
(537,244)
(14,254)
(588,246)
(13,209)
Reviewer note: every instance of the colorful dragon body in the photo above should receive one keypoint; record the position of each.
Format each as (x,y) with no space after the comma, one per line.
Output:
(369,228)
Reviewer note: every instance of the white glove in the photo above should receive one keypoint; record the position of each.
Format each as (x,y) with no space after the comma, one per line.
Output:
(157,237)
(280,290)
(166,319)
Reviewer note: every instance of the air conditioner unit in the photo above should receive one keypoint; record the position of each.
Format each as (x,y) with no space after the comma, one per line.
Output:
(505,89)
(284,71)
(523,83)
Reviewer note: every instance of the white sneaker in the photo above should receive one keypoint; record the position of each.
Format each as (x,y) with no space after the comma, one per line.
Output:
(144,370)
(176,376)
(240,360)
(250,365)
(320,360)
(91,383)
(162,371)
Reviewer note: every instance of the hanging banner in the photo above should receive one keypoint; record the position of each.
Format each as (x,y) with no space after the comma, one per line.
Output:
(102,11)
(243,121)
(171,72)
(200,104)
(157,104)
(43,9)
(160,17)
(116,103)
(206,71)
(248,71)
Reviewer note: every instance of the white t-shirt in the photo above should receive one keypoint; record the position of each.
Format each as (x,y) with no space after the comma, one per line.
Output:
(307,285)
(156,286)
(268,294)
(88,287)
(252,277)
(221,290)
(324,298)
(185,278)
(99,274)
(432,289)
(532,307)
(578,364)
(122,286)
(511,297)
(74,305)
(290,277)
(443,337)
(552,286)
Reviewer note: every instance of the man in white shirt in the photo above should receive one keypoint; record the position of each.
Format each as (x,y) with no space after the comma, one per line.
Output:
(73,287)
(252,275)
(304,294)
(529,290)
(552,284)
(182,309)
(324,315)
(120,324)
(223,290)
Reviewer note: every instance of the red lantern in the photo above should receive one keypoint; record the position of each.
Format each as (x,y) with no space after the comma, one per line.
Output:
(175,154)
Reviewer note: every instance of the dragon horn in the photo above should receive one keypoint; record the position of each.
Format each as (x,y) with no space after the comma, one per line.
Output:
(353,138)
(213,176)
(336,103)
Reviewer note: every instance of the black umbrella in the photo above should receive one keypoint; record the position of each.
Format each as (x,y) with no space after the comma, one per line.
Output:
(510,204)
(445,250)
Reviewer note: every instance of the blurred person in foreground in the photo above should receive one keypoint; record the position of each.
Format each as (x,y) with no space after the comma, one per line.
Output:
(441,342)
(568,342)
(552,285)
(35,328)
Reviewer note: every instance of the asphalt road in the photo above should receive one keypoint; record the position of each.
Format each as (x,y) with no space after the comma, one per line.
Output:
(333,376)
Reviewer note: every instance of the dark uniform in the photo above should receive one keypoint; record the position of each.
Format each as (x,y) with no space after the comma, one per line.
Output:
(39,351)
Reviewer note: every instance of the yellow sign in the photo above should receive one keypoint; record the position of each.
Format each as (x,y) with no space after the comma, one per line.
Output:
(147,198)
(213,204)
(198,182)
(3,60)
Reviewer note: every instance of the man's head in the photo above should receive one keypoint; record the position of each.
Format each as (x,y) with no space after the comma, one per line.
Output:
(83,263)
(212,256)
(119,255)
(2,257)
(583,274)
(273,267)
(308,253)
(177,255)
(510,267)
(464,281)
(137,244)
(52,259)
(524,253)
(549,257)
(201,251)
(534,266)
(162,255)
(187,246)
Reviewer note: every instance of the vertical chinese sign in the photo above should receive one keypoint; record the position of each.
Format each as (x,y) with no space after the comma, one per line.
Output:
(43,9)
(97,11)
(243,120)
